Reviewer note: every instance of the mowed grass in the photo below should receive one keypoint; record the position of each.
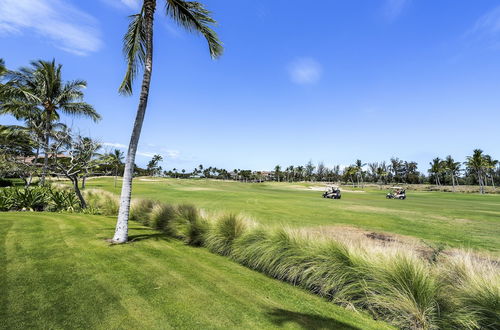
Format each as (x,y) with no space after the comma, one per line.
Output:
(458,220)
(57,272)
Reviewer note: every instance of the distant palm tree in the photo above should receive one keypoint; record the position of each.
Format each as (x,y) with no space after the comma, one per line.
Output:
(138,49)
(359,170)
(41,88)
(476,164)
(490,165)
(453,168)
(436,169)
(115,159)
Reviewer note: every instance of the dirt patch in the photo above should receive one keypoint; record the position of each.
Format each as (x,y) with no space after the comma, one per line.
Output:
(380,236)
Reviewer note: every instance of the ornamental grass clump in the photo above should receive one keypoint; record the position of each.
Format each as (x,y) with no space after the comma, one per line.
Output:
(220,237)
(140,210)
(403,290)
(161,215)
(470,292)
(337,271)
(187,224)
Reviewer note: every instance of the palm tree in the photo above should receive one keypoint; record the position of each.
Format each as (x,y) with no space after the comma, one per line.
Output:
(490,165)
(453,168)
(476,164)
(138,49)
(41,88)
(277,172)
(115,159)
(436,169)
(359,171)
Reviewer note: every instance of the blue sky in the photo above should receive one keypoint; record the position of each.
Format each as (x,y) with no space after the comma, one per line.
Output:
(329,81)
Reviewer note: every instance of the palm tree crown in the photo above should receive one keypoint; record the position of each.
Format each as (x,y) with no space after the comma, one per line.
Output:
(39,92)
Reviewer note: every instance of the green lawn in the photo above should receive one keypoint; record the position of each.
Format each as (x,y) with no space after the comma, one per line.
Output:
(57,272)
(459,220)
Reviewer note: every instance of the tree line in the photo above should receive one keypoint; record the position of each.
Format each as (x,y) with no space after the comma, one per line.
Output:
(477,169)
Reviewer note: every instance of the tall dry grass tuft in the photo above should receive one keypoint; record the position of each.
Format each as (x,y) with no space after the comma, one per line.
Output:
(140,210)
(221,235)
(187,224)
(403,290)
(106,202)
(471,291)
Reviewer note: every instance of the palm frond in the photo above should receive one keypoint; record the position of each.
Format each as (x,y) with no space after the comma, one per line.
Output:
(194,17)
(81,109)
(134,49)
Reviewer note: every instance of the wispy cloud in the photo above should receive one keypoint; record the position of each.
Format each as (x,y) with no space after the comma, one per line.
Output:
(69,28)
(153,150)
(123,4)
(304,71)
(393,8)
(487,28)
(115,145)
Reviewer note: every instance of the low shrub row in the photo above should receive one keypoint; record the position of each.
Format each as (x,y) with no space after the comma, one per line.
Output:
(38,198)
(393,284)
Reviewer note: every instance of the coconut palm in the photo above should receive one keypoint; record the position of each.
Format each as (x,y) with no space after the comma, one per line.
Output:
(41,88)
(436,169)
(453,169)
(138,50)
(476,164)
(490,165)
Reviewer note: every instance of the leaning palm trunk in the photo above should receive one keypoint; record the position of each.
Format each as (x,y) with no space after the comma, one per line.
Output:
(121,231)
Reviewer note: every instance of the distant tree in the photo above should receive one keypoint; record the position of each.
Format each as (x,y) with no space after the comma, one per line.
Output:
(153,168)
(79,159)
(321,171)
(40,88)
(476,164)
(309,170)
(453,169)
(490,164)
(277,172)
(115,160)
(437,167)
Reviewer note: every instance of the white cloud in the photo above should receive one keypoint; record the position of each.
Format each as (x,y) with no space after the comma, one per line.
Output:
(166,153)
(132,4)
(172,153)
(394,8)
(146,154)
(115,145)
(487,27)
(304,71)
(67,27)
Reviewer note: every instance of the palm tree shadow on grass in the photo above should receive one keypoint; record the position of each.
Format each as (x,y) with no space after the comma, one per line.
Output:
(155,236)
(306,321)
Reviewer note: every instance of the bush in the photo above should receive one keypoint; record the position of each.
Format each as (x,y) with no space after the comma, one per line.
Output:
(220,237)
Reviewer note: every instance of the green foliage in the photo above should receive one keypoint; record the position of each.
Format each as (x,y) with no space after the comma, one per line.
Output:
(140,210)
(187,225)
(38,198)
(221,236)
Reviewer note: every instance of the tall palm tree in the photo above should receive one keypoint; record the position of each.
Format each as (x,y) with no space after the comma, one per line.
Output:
(138,50)
(41,88)
(490,165)
(476,164)
(453,168)
(436,169)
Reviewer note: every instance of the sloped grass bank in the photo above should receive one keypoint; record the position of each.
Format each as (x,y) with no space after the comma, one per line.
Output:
(458,220)
(392,283)
(57,272)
